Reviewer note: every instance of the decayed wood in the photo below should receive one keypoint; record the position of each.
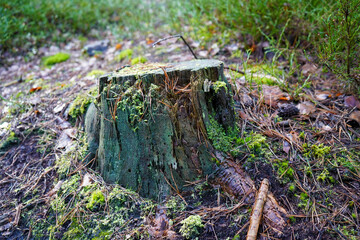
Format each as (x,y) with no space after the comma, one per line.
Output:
(236,182)
(149,127)
(258,210)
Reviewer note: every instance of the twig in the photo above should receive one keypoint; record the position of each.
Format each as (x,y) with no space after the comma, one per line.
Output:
(235,70)
(257,210)
(176,36)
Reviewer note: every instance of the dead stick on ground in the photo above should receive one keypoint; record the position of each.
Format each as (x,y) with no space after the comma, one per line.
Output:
(257,210)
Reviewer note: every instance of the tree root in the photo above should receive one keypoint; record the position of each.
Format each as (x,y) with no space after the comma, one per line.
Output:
(236,182)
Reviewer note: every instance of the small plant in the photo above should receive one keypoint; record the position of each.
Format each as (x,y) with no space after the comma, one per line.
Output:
(190,226)
(219,84)
(54,59)
(340,41)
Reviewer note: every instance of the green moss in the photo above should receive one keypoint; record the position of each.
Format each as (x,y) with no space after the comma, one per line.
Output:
(256,142)
(125,54)
(9,140)
(325,176)
(138,60)
(54,59)
(190,226)
(304,201)
(285,172)
(316,151)
(174,205)
(95,73)
(81,102)
(264,74)
(292,188)
(96,199)
(133,102)
(219,84)
(221,140)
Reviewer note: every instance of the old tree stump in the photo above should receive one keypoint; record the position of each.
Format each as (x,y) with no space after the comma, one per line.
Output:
(151,121)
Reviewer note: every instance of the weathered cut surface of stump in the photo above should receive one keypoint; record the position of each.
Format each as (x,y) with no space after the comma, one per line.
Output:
(150,124)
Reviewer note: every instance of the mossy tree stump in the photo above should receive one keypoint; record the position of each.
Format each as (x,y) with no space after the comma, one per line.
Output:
(150,124)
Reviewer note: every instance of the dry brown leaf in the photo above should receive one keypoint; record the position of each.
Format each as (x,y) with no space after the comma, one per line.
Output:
(351,102)
(286,147)
(149,41)
(55,189)
(35,89)
(306,108)
(118,46)
(321,96)
(308,68)
(87,180)
(355,116)
(272,95)
(244,116)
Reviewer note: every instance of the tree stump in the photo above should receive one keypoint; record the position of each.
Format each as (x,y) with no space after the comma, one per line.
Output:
(150,124)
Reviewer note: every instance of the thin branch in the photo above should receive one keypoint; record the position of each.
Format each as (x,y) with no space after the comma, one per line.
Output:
(176,36)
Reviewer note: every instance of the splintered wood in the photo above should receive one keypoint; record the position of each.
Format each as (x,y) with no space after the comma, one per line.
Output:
(258,210)
(236,182)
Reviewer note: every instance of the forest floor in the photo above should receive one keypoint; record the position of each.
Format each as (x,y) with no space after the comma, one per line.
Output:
(299,130)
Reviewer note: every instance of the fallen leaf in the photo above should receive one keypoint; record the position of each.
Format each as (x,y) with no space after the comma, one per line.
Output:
(326,128)
(37,112)
(351,102)
(35,89)
(321,96)
(286,146)
(306,108)
(149,41)
(59,108)
(253,48)
(244,116)
(65,138)
(87,180)
(55,189)
(203,54)
(308,68)
(273,94)
(214,49)
(118,46)
(355,116)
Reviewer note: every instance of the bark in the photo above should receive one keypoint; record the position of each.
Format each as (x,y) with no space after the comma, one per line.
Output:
(152,124)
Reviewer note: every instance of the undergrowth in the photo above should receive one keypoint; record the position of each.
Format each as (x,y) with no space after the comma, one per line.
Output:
(28,23)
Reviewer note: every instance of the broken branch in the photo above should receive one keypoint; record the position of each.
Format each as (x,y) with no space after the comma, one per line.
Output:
(257,210)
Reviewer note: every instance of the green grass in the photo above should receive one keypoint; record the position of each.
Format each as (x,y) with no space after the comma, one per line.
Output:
(29,23)
(32,22)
